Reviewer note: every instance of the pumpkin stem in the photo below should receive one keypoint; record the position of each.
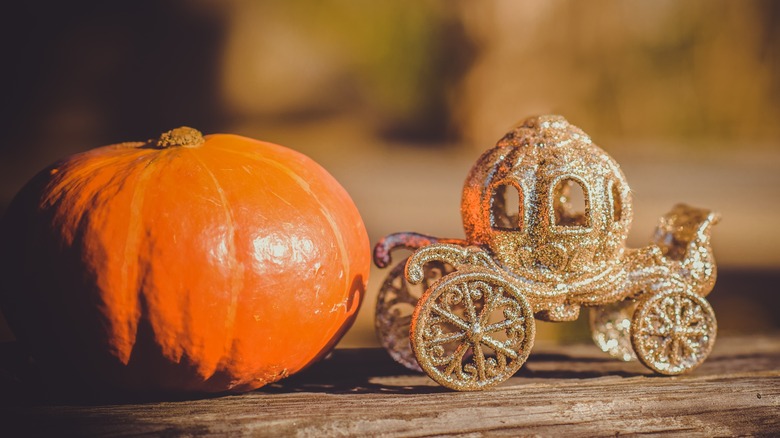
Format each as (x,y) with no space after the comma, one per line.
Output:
(183,137)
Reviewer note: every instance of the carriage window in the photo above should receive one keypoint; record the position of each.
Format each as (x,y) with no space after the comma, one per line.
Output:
(617,203)
(505,207)
(570,204)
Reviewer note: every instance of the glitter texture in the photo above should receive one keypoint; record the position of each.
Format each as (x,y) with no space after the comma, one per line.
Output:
(542,256)
(610,326)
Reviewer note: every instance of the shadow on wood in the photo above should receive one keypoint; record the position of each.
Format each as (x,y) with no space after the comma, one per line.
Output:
(569,390)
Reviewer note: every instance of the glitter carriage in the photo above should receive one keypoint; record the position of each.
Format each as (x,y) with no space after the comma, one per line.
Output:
(463,311)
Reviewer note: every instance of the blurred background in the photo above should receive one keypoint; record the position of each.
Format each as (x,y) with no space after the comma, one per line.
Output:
(397,99)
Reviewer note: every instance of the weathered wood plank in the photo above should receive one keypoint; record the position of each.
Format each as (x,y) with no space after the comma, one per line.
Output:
(571,390)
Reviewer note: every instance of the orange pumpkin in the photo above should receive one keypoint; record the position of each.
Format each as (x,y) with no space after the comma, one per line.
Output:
(185,264)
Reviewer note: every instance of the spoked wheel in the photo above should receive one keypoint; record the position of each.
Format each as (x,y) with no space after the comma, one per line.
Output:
(610,326)
(673,331)
(472,330)
(394,307)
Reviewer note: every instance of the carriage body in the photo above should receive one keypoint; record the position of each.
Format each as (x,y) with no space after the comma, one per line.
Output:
(529,253)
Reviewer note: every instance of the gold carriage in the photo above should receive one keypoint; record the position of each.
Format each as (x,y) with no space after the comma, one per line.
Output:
(463,311)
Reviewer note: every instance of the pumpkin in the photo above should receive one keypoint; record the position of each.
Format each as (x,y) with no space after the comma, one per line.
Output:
(183,264)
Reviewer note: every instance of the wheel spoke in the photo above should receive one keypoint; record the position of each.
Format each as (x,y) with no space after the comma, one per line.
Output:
(663,349)
(498,347)
(479,357)
(452,337)
(469,302)
(689,312)
(451,317)
(677,310)
(674,356)
(491,302)
(662,313)
(457,359)
(695,318)
(696,331)
(498,326)
(651,331)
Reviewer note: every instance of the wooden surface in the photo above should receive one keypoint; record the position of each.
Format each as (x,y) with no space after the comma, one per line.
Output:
(562,390)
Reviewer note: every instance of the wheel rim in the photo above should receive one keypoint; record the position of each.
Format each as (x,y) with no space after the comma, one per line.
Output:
(394,307)
(610,327)
(673,332)
(471,331)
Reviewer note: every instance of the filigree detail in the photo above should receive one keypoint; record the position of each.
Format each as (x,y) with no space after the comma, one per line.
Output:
(472,330)
(394,307)
(673,331)
(452,254)
(561,254)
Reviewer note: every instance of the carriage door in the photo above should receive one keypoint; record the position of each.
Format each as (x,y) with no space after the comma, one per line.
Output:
(572,241)
(506,222)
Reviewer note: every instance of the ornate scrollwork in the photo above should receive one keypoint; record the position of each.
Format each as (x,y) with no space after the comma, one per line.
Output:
(457,256)
(673,331)
(472,330)
(395,304)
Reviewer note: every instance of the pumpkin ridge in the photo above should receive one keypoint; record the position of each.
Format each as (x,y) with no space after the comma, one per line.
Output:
(237,278)
(78,200)
(149,300)
(64,199)
(60,190)
(134,233)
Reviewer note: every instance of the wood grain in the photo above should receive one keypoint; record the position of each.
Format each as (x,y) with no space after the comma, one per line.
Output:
(572,390)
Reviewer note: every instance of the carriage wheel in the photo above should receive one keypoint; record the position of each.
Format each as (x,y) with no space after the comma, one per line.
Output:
(673,332)
(472,330)
(395,304)
(610,327)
